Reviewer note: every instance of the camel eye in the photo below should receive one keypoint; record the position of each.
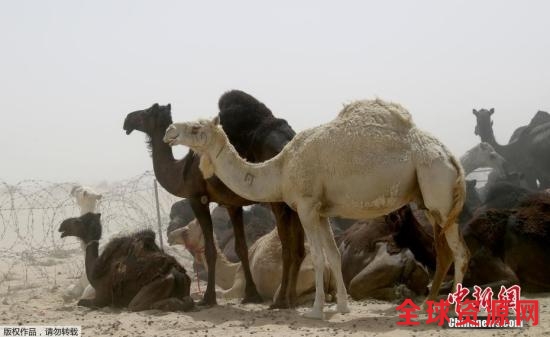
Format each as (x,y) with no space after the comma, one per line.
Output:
(195,129)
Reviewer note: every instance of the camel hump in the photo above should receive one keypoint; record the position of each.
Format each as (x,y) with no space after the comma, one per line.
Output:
(378,112)
(540,117)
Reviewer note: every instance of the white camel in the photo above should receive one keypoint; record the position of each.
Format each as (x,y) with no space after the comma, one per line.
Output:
(266,265)
(370,160)
(482,155)
(86,199)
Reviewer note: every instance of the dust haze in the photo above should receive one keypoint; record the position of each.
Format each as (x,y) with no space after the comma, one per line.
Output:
(71,71)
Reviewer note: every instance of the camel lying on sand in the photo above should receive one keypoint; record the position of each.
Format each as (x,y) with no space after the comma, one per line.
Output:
(386,258)
(510,246)
(374,160)
(265,265)
(131,271)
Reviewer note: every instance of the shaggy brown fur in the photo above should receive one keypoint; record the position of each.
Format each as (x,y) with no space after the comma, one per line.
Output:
(512,245)
(399,231)
(131,271)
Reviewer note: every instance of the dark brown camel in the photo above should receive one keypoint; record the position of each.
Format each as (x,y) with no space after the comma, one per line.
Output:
(180,215)
(540,118)
(131,271)
(258,221)
(256,133)
(511,245)
(385,258)
(528,153)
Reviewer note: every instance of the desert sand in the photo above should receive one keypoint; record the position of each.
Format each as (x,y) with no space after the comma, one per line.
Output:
(26,298)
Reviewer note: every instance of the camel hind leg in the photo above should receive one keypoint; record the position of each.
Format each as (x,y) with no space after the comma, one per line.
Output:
(442,188)
(163,294)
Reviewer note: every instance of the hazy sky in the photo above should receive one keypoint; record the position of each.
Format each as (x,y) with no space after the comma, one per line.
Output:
(70,71)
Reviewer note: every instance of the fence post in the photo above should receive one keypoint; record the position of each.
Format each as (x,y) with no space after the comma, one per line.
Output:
(158,214)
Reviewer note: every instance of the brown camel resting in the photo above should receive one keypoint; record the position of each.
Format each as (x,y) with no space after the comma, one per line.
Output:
(380,257)
(131,271)
(511,246)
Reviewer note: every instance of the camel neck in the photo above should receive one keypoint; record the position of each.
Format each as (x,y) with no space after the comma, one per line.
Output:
(168,171)
(225,270)
(488,136)
(468,162)
(253,181)
(90,261)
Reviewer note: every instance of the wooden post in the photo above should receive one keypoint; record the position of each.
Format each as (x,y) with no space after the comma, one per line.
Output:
(158,215)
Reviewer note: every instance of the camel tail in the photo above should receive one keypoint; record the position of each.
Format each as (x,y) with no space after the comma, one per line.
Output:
(459,195)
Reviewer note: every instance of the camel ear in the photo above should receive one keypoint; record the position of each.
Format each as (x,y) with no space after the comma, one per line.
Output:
(492,111)
(169,107)
(206,166)
(474,111)
(216,120)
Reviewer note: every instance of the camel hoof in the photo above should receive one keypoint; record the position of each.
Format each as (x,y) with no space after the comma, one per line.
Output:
(314,314)
(342,308)
(86,303)
(207,303)
(279,305)
(252,299)
(175,304)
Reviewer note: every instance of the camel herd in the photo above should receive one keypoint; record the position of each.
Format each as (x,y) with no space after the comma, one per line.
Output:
(416,212)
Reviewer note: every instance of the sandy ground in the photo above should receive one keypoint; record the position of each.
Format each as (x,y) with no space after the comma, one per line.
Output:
(27,299)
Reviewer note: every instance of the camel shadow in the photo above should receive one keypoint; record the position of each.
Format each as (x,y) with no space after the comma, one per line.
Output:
(384,321)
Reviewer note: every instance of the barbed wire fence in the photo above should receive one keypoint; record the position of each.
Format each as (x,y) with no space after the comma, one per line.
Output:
(32,210)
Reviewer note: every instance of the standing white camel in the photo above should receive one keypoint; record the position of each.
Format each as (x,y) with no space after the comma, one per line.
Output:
(86,199)
(370,160)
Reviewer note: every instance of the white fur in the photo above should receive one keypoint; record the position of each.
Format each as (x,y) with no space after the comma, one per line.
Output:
(482,155)
(367,162)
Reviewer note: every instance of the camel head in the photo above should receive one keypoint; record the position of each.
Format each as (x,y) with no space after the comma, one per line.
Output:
(149,120)
(484,122)
(81,192)
(86,227)
(492,158)
(190,237)
(198,136)
(180,215)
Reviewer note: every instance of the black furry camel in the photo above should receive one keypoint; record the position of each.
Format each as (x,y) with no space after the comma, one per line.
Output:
(131,271)
(258,136)
(511,246)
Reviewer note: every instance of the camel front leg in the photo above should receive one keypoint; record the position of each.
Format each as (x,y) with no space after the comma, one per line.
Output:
(281,213)
(311,223)
(202,213)
(251,294)
(297,255)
